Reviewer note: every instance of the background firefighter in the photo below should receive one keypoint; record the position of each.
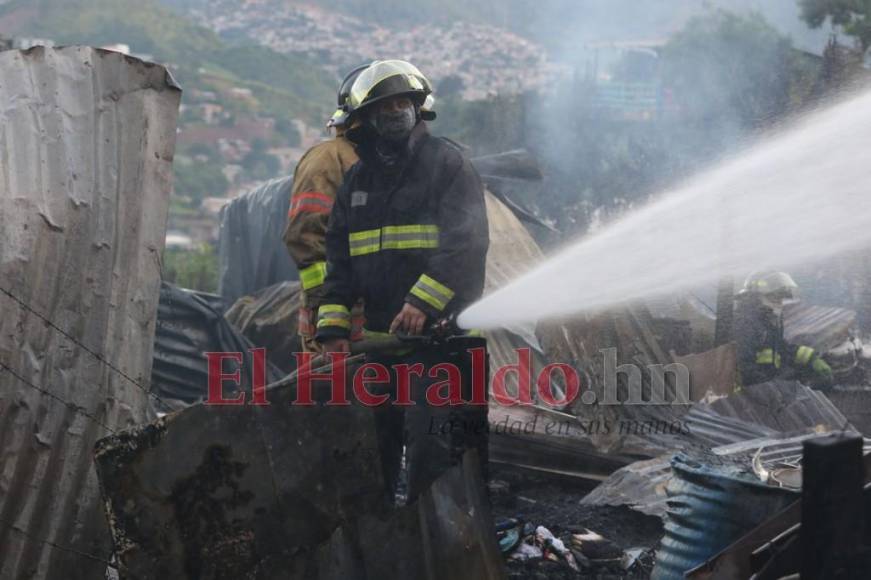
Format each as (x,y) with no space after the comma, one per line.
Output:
(315,181)
(763,353)
(408,234)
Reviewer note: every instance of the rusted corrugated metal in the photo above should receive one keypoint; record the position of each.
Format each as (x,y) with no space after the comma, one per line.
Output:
(87,138)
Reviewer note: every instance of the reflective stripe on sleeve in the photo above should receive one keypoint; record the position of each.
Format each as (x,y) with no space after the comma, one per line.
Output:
(803,355)
(313,276)
(310,202)
(432,292)
(334,315)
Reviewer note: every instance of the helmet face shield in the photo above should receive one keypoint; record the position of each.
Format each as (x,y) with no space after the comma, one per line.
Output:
(388,78)
(342,114)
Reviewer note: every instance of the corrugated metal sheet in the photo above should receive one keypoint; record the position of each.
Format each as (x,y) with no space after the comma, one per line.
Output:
(187,327)
(549,441)
(87,138)
(821,327)
(709,428)
(641,485)
(855,404)
(783,406)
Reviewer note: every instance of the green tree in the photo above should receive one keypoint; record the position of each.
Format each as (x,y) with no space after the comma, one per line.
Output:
(851,16)
(259,164)
(193,269)
(207,150)
(199,180)
(287,129)
(729,69)
(450,86)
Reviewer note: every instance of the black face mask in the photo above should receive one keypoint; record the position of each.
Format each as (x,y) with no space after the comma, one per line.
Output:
(394,125)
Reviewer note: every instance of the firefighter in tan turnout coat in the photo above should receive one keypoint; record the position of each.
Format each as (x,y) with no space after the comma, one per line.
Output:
(315,182)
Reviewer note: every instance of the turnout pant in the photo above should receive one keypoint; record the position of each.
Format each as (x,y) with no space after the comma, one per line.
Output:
(435,437)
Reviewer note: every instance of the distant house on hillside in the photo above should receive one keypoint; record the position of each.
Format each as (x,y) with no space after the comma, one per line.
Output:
(622,81)
(242,94)
(244,129)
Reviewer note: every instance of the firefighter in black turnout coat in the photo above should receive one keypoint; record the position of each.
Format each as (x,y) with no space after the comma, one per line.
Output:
(763,352)
(408,234)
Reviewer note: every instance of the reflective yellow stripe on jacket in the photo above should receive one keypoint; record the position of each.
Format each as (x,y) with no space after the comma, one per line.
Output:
(407,237)
(410,237)
(432,292)
(365,242)
(313,276)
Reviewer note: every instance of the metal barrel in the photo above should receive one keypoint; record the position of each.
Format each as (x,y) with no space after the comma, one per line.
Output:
(712,502)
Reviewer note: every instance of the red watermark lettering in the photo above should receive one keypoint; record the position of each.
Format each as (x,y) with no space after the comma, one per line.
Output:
(382,377)
(258,377)
(447,383)
(453,382)
(545,384)
(217,376)
(523,369)
(403,382)
(335,377)
(479,376)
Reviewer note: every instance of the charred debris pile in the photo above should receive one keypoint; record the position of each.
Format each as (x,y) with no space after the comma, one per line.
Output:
(110,463)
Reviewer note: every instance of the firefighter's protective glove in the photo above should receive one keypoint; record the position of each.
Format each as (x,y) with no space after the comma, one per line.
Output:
(822,368)
(825,378)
